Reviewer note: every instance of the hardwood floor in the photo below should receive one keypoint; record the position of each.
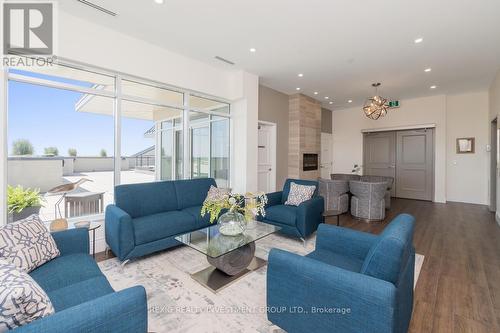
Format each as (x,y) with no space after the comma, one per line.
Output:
(459,286)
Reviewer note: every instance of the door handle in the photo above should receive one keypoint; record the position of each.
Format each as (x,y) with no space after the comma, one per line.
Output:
(391,166)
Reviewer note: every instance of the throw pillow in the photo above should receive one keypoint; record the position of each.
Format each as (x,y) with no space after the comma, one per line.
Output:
(22,300)
(216,193)
(27,244)
(299,193)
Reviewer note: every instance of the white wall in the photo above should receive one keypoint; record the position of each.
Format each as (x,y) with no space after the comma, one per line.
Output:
(348,139)
(245,129)
(467,174)
(97,45)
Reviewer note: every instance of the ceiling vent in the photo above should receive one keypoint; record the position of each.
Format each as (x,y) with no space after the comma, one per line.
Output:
(97,7)
(224,60)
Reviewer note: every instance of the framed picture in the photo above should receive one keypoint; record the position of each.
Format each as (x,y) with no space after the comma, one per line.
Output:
(465,145)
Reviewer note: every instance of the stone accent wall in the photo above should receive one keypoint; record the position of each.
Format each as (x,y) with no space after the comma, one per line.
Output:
(304,134)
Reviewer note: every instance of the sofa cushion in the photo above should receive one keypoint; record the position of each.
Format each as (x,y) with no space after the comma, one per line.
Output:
(21,298)
(282,214)
(27,243)
(147,198)
(390,253)
(192,192)
(65,270)
(196,213)
(158,226)
(286,187)
(299,194)
(334,259)
(80,292)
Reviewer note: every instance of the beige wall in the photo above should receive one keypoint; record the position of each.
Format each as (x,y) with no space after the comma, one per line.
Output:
(495,97)
(467,174)
(461,178)
(494,105)
(348,140)
(273,107)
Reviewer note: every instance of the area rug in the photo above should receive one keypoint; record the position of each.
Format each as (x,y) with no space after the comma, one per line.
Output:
(177,303)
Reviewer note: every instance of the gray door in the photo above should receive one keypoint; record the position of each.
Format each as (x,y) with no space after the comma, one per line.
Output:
(380,155)
(415,164)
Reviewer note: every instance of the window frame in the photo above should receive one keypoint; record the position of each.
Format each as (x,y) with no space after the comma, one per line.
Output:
(118,98)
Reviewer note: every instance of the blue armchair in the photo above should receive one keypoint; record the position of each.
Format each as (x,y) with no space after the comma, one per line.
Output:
(352,282)
(82,297)
(300,221)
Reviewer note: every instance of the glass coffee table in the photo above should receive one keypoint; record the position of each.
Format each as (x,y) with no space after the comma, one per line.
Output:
(230,257)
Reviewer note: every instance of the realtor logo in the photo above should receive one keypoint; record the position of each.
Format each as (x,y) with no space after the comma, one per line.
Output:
(28,28)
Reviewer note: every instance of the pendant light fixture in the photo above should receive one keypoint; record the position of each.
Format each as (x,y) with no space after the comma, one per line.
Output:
(376,106)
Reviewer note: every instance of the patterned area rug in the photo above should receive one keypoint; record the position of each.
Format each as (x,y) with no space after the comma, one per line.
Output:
(177,303)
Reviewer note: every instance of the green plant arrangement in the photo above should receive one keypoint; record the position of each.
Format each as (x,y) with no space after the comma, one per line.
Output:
(250,205)
(240,209)
(19,198)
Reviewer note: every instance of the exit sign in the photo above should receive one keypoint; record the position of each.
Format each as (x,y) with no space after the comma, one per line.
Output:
(394,104)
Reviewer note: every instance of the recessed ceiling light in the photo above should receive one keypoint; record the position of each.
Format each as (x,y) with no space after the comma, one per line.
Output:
(349,101)
(419,40)
(297,88)
(315,93)
(433,87)
(427,70)
(300,75)
(159,2)
(330,103)
(253,50)
(326,97)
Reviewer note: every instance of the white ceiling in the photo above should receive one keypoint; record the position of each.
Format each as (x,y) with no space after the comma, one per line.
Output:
(341,46)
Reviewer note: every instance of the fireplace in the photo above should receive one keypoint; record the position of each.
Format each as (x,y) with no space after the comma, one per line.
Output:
(310,162)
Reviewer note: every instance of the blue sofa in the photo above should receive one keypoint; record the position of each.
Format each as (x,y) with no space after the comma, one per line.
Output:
(146,217)
(353,282)
(299,221)
(82,297)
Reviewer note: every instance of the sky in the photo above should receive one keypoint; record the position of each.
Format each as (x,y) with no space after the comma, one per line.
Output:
(47,118)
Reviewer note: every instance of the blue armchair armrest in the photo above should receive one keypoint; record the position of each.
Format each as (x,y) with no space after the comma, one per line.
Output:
(310,215)
(344,241)
(72,241)
(123,311)
(119,231)
(306,295)
(274,198)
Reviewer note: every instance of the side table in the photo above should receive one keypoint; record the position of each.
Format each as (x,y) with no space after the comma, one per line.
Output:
(330,213)
(91,226)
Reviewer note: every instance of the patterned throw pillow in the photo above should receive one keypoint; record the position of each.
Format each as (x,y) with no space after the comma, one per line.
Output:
(27,244)
(299,193)
(215,193)
(21,298)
